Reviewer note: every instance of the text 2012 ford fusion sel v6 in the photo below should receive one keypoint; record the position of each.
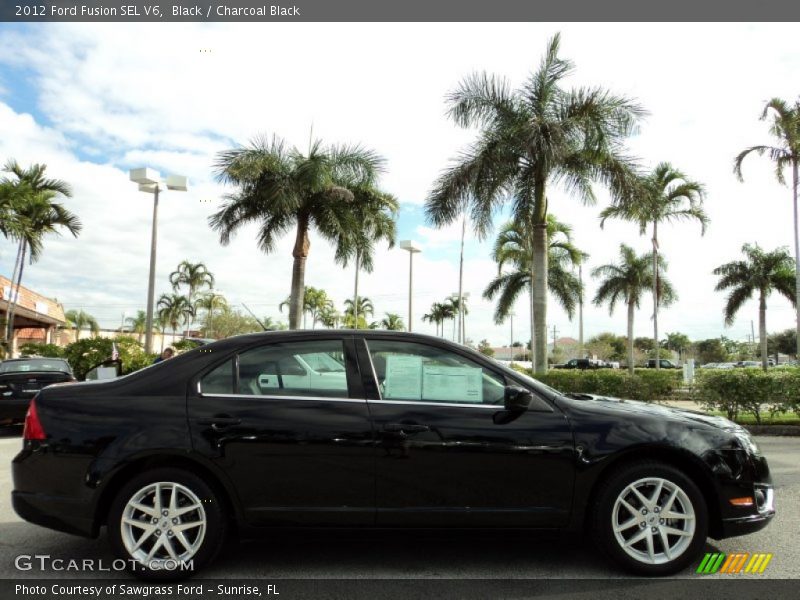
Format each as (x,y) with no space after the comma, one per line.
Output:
(375,429)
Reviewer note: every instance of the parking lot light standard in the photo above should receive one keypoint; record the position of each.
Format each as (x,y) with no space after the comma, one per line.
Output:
(150,181)
(411,247)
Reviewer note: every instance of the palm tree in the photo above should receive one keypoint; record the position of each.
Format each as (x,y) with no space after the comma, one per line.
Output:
(279,188)
(538,135)
(194,276)
(785,126)
(355,315)
(455,306)
(138,324)
(175,310)
(760,273)
(314,301)
(78,320)
(393,322)
(628,281)
(30,213)
(439,314)
(209,302)
(514,245)
(329,317)
(374,213)
(665,195)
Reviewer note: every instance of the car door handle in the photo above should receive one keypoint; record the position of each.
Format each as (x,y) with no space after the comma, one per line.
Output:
(220,422)
(405,428)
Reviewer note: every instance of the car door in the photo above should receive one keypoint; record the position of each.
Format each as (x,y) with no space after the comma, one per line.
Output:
(296,453)
(446,456)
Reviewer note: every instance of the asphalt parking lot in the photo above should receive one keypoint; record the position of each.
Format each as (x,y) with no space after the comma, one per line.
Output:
(408,556)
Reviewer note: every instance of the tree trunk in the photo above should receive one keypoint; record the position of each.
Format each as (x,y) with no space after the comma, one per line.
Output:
(461,339)
(655,295)
(12,306)
(631,307)
(540,294)
(762,328)
(355,290)
(580,311)
(795,185)
(7,330)
(533,312)
(300,254)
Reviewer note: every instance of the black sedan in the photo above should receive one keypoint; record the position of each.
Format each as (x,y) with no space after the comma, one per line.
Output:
(22,378)
(369,429)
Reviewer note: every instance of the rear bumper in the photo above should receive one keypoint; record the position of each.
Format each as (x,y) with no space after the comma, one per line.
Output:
(54,512)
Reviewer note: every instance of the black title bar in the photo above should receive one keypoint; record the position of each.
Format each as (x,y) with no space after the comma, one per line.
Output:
(399,10)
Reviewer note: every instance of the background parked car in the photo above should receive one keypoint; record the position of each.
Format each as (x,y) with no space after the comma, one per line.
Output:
(581,363)
(665,364)
(22,378)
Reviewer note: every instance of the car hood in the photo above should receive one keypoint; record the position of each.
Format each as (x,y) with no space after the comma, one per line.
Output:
(647,408)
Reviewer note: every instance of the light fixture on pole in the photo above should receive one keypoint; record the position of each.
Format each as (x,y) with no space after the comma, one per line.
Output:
(412,248)
(150,181)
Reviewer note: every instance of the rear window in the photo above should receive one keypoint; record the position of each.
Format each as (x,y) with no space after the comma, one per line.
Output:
(34,364)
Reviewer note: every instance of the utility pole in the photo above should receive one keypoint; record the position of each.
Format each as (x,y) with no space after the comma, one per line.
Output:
(753,333)
(555,334)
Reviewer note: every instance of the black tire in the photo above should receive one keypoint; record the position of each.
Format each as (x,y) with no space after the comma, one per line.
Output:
(603,513)
(212,510)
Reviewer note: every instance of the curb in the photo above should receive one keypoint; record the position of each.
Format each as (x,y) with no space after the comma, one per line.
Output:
(777,430)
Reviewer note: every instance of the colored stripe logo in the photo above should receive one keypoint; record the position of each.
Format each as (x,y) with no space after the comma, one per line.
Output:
(735,563)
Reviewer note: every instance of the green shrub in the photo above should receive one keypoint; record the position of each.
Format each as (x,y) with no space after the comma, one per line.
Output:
(87,353)
(749,391)
(39,349)
(645,384)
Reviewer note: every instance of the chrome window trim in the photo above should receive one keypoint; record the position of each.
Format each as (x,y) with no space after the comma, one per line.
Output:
(264,397)
(494,407)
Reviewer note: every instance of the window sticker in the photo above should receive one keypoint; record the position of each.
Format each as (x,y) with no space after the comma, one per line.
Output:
(403,377)
(452,384)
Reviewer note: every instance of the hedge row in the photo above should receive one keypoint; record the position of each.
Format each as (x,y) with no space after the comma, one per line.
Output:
(645,384)
(749,391)
(85,354)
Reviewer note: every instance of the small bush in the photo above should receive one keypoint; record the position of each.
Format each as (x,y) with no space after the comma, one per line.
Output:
(749,391)
(39,349)
(646,384)
(87,353)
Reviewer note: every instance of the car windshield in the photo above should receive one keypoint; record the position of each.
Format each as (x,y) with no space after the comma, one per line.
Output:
(34,364)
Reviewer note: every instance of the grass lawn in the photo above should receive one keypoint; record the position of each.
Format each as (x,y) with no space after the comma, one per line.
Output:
(766,419)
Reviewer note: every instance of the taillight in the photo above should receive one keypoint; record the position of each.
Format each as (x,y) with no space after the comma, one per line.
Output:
(33,426)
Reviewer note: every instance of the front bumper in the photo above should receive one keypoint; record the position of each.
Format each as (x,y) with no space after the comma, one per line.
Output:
(765,506)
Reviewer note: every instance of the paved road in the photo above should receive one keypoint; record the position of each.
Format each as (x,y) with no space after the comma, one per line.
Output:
(413,557)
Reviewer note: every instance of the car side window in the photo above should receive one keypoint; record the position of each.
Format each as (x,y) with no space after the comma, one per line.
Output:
(311,368)
(219,381)
(417,372)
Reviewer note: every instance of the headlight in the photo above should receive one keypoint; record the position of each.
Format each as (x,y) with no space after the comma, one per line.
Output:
(747,442)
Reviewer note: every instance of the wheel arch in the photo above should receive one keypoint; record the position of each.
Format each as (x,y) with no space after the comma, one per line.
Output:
(687,462)
(157,461)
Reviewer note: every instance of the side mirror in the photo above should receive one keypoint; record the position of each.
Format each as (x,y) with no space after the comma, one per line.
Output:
(517,399)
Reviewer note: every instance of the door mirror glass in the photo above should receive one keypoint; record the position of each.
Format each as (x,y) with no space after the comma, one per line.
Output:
(517,399)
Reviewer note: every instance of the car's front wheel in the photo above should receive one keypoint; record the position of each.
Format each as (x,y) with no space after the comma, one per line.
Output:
(166,524)
(650,518)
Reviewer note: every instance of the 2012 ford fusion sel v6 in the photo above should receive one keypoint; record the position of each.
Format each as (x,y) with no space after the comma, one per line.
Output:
(376,429)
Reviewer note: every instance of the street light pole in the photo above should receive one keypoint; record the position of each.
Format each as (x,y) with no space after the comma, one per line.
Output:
(150,181)
(411,247)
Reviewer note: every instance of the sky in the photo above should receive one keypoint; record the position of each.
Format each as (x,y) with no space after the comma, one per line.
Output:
(95,100)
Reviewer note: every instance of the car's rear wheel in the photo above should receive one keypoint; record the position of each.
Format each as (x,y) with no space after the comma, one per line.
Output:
(650,518)
(166,524)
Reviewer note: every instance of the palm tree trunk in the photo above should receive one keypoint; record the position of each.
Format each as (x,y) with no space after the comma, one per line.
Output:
(355,290)
(655,295)
(7,332)
(12,306)
(539,263)
(580,312)
(533,329)
(762,328)
(631,307)
(300,254)
(461,283)
(795,184)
